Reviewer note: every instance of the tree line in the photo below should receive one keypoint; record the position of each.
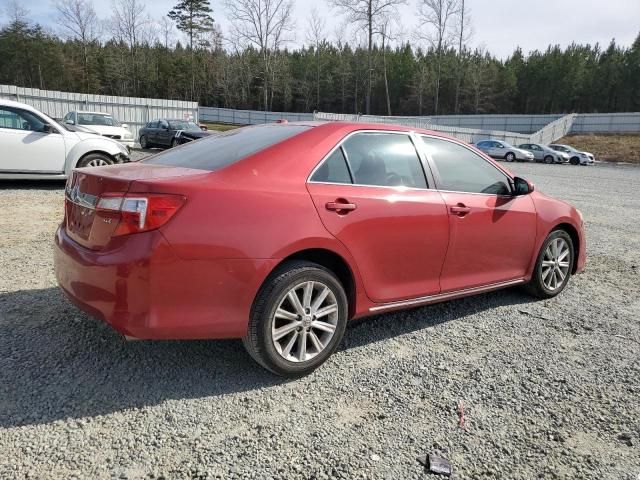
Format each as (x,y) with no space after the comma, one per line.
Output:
(254,67)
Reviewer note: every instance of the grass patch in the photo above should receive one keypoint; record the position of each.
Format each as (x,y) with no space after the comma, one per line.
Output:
(608,148)
(220,127)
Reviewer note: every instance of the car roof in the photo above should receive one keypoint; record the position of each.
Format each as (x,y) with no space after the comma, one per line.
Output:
(94,113)
(11,103)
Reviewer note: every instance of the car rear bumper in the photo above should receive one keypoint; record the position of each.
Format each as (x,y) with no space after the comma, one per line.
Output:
(143,290)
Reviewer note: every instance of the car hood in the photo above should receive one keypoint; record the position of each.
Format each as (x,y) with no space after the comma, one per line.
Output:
(107,130)
(192,133)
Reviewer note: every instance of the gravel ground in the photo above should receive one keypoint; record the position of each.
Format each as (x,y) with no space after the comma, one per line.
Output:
(550,388)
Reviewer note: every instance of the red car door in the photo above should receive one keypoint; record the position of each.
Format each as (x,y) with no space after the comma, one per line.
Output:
(492,232)
(371,193)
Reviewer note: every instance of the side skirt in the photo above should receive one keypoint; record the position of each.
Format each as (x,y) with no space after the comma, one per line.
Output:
(441,297)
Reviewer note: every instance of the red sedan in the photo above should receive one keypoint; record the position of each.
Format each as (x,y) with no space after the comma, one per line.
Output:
(279,234)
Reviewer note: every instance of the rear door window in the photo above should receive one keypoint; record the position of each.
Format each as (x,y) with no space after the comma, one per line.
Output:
(220,150)
(333,170)
(384,159)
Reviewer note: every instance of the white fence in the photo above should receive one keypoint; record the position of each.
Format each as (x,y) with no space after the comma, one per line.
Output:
(508,127)
(584,122)
(607,123)
(248,117)
(506,123)
(134,111)
(469,135)
(549,133)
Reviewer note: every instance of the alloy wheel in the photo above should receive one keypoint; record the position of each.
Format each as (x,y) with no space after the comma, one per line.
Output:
(555,264)
(305,321)
(97,162)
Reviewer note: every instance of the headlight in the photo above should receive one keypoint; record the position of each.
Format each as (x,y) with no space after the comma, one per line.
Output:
(127,136)
(583,155)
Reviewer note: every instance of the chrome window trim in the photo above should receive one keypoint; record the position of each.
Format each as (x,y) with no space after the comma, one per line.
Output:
(408,133)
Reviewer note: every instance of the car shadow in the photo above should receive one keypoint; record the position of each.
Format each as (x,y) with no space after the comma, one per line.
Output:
(32,184)
(58,363)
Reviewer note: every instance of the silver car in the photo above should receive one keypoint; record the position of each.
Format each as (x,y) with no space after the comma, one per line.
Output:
(542,153)
(502,150)
(576,157)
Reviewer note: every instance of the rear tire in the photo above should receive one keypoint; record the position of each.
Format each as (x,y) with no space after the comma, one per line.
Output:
(510,157)
(548,159)
(95,160)
(289,339)
(143,142)
(553,267)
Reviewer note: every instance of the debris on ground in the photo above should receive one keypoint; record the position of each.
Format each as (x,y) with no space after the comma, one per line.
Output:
(436,464)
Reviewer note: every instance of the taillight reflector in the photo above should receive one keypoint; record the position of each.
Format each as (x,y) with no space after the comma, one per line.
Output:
(138,212)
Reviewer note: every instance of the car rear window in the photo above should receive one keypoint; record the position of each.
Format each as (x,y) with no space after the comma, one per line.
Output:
(220,150)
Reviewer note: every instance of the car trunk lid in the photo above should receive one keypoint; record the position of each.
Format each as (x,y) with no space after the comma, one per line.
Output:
(94,199)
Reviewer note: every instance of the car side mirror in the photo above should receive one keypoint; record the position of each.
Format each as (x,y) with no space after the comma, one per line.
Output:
(69,122)
(522,186)
(46,128)
(124,125)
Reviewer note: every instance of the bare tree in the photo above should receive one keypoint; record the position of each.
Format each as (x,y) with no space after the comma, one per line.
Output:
(265,25)
(435,26)
(79,21)
(366,15)
(463,27)
(131,25)
(385,33)
(316,35)
(16,12)
(166,31)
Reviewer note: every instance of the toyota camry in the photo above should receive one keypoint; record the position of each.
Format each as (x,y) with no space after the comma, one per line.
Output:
(280,234)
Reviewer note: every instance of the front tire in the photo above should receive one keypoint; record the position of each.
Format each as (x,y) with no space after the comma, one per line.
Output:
(548,159)
(95,160)
(575,161)
(144,144)
(553,266)
(510,157)
(298,319)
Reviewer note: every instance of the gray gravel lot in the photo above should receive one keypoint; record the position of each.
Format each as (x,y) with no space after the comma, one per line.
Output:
(551,389)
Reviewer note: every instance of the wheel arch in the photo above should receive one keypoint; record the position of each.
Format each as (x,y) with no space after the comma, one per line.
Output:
(575,238)
(333,262)
(99,152)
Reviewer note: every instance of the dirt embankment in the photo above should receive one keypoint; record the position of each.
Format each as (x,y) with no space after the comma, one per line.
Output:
(608,148)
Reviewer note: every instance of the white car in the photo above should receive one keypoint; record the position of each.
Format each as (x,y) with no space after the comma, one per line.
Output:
(101,123)
(576,157)
(34,146)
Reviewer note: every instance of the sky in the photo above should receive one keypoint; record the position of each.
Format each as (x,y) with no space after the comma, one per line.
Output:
(498,25)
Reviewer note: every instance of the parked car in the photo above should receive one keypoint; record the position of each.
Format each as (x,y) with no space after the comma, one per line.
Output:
(279,234)
(103,124)
(576,157)
(34,146)
(503,150)
(542,153)
(170,133)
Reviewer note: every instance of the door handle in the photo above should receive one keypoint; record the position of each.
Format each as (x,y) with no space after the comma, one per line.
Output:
(460,210)
(340,206)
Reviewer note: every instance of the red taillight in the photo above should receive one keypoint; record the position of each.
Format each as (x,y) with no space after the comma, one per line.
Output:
(137,213)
